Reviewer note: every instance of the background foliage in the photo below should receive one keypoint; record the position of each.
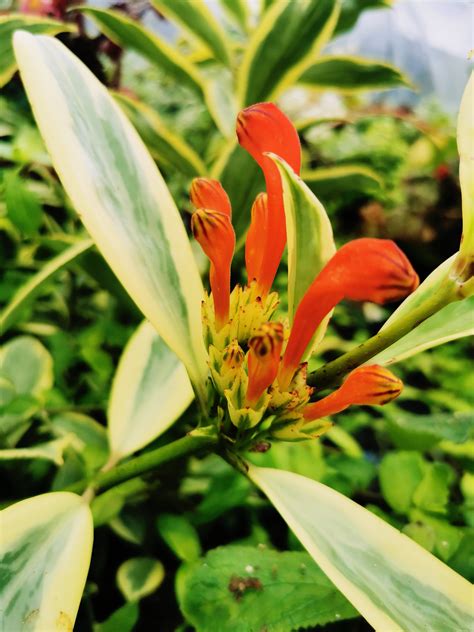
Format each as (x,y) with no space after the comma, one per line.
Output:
(198,544)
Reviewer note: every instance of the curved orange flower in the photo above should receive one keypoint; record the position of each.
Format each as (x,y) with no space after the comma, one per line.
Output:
(263,128)
(263,360)
(208,193)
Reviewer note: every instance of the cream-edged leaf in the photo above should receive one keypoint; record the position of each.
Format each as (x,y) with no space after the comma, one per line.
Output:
(453,321)
(465,137)
(139,577)
(32,23)
(27,365)
(287,40)
(199,21)
(166,147)
(45,545)
(309,234)
(150,391)
(392,581)
(339,179)
(50,451)
(118,192)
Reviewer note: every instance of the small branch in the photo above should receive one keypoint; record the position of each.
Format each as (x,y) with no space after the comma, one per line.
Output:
(144,463)
(332,372)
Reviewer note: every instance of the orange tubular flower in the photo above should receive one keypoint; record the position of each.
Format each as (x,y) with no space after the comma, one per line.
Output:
(207,193)
(363,270)
(253,243)
(263,128)
(263,360)
(366,385)
(213,230)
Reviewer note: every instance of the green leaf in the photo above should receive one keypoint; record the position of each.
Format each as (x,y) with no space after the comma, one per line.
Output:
(287,40)
(28,366)
(247,588)
(150,391)
(139,577)
(199,21)
(400,474)
(119,193)
(9,24)
(46,548)
(351,10)
(393,582)
(310,239)
(432,494)
(166,147)
(130,525)
(23,207)
(238,11)
(27,292)
(326,181)
(130,34)
(180,535)
(87,437)
(451,322)
(447,536)
(49,451)
(352,74)
(123,619)
(425,431)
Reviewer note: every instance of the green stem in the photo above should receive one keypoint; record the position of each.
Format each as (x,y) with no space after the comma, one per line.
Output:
(332,372)
(144,463)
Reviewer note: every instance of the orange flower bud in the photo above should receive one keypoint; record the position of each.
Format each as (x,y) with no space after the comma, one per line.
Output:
(367,385)
(263,359)
(213,231)
(253,243)
(363,270)
(263,128)
(208,193)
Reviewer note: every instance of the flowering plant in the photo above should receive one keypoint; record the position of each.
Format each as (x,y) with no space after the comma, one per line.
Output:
(246,365)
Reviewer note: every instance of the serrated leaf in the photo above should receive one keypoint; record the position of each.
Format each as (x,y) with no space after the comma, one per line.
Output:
(286,41)
(150,391)
(139,577)
(451,322)
(31,23)
(180,535)
(27,292)
(27,365)
(166,147)
(310,238)
(247,588)
(46,548)
(344,73)
(121,196)
(199,21)
(409,590)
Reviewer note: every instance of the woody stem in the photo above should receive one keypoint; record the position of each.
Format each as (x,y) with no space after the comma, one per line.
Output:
(331,373)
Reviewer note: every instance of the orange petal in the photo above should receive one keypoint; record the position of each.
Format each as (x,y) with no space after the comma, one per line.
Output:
(263,128)
(363,270)
(213,230)
(263,359)
(253,243)
(366,385)
(208,193)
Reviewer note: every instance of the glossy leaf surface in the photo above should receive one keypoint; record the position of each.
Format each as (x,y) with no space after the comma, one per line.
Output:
(118,192)
(46,548)
(393,582)
(150,391)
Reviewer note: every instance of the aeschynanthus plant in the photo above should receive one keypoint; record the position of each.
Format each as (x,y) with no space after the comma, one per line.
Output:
(247,368)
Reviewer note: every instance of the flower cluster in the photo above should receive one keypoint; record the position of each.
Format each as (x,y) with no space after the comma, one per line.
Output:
(257,367)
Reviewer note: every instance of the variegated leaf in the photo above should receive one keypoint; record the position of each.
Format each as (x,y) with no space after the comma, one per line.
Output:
(118,192)
(150,391)
(393,582)
(45,545)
